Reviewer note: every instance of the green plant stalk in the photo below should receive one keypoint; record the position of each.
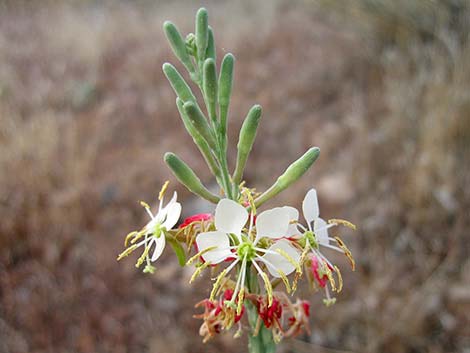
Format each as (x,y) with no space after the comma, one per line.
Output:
(263,342)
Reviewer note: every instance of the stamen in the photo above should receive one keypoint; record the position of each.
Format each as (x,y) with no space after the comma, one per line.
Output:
(340,279)
(290,259)
(142,257)
(217,284)
(285,280)
(347,252)
(163,190)
(126,252)
(128,236)
(198,271)
(267,283)
(138,236)
(200,253)
(342,222)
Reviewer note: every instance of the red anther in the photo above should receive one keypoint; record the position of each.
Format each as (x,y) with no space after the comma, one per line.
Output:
(196,218)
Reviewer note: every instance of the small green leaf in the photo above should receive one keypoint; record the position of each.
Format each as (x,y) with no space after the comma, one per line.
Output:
(178,45)
(179,85)
(179,251)
(209,81)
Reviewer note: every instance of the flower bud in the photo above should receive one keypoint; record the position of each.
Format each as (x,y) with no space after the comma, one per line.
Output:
(246,140)
(225,89)
(200,123)
(178,45)
(291,175)
(210,51)
(200,142)
(209,82)
(180,87)
(188,178)
(202,33)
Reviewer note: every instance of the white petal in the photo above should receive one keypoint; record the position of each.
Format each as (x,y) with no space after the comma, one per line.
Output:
(293,216)
(310,206)
(164,210)
(230,217)
(159,246)
(320,228)
(172,216)
(210,239)
(280,262)
(272,223)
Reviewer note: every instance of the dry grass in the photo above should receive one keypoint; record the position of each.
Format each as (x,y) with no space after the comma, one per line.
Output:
(86,114)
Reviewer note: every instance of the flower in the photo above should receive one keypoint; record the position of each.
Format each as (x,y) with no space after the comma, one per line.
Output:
(231,241)
(217,316)
(314,237)
(154,231)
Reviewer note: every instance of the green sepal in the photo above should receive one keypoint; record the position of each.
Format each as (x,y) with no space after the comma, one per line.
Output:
(210,51)
(209,81)
(246,140)
(179,85)
(178,45)
(291,175)
(200,123)
(202,33)
(188,178)
(225,89)
(179,251)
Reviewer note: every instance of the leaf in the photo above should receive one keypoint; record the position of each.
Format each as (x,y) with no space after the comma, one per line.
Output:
(179,251)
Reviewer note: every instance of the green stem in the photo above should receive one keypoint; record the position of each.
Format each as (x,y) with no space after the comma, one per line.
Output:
(263,342)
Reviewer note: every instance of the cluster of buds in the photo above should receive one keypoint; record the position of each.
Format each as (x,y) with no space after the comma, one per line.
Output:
(250,253)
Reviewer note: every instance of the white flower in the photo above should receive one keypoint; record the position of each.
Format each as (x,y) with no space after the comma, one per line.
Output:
(317,235)
(154,231)
(229,241)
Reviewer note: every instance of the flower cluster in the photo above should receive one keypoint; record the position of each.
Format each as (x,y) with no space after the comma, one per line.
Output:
(250,249)
(249,253)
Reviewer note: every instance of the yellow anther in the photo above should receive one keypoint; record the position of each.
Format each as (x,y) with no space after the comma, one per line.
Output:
(200,253)
(199,270)
(145,205)
(128,236)
(285,280)
(342,222)
(127,252)
(331,279)
(142,257)
(269,288)
(163,190)
(138,236)
(347,252)
(340,279)
(219,279)
(241,296)
(290,259)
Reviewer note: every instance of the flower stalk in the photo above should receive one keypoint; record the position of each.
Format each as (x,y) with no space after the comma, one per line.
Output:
(251,254)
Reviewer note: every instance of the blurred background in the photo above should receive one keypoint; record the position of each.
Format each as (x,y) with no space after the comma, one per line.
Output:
(382,87)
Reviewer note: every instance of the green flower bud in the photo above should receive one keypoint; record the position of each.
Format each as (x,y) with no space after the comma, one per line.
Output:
(178,45)
(291,175)
(188,178)
(202,33)
(179,85)
(210,51)
(246,140)
(225,89)
(200,123)
(198,139)
(209,81)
